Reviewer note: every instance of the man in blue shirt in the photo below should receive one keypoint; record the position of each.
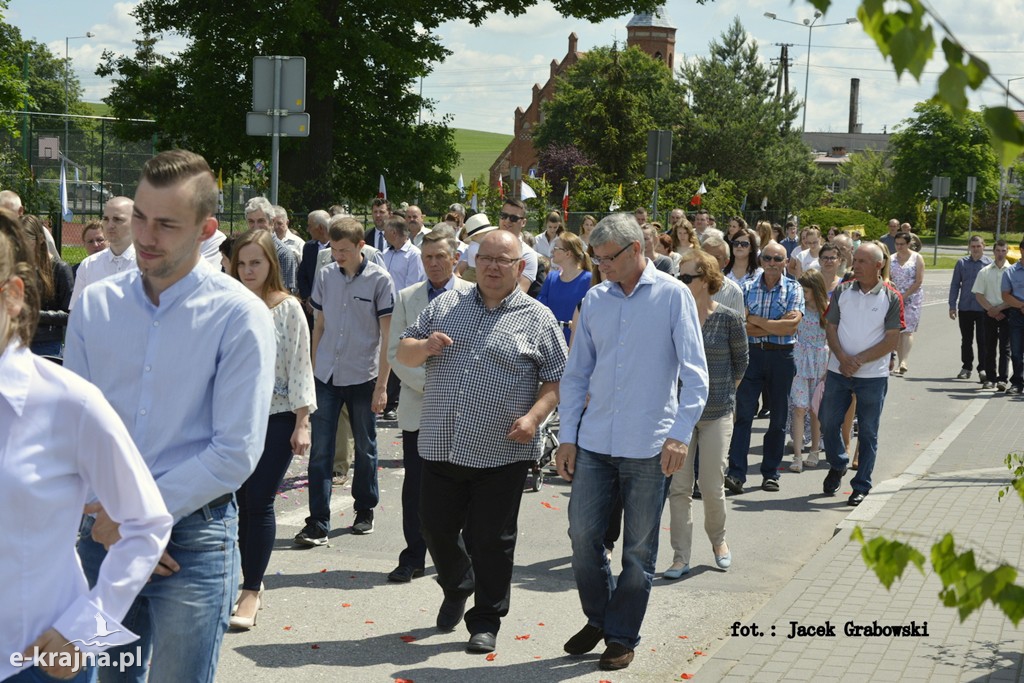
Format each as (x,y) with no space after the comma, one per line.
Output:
(775,305)
(792,241)
(1013,297)
(963,306)
(194,392)
(633,433)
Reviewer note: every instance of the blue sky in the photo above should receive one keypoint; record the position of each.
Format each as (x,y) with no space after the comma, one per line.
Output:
(493,67)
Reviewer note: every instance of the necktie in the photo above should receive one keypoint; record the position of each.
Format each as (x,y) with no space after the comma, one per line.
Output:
(380,241)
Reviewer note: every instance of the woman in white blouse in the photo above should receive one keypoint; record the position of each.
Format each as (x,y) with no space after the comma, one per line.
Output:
(254,262)
(46,476)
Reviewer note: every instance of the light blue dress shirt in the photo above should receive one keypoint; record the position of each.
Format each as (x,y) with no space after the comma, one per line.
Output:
(628,355)
(191,378)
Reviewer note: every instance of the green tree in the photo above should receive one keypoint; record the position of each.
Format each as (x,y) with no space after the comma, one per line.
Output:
(12,85)
(362,59)
(737,128)
(937,143)
(606,103)
(869,178)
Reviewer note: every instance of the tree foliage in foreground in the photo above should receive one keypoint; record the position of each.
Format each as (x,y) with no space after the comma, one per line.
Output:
(363,60)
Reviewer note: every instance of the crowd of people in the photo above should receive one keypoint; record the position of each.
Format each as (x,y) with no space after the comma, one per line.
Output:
(251,348)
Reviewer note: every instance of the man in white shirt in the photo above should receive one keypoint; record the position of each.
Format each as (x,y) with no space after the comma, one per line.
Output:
(9,199)
(258,215)
(513,219)
(119,255)
(402,259)
(194,393)
(414,220)
(287,237)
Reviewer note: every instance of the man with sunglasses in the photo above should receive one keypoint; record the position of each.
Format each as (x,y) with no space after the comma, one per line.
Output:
(513,219)
(775,305)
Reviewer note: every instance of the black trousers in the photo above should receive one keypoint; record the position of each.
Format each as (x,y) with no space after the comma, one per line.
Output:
(394,391)
(997,339)
(972,327)
(415,552)
(480,505)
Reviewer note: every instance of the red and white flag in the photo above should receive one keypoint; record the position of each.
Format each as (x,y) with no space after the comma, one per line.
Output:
(696,200)
(382,190)
(501,188)
(565,204)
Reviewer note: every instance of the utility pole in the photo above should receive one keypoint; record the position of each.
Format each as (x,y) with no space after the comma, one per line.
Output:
(782,74)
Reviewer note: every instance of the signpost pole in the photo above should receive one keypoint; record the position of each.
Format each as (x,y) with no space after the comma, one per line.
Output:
(275,140)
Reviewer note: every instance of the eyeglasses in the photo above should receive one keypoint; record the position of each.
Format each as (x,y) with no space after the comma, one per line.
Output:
(687,278)
(738,243)
(828,258)
(499,261)
(598,260)
(559,249)
(511,218)
(777,259)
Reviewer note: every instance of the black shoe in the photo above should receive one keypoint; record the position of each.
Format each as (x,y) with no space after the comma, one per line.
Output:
(311,538)
(481,642)
(364,523)
(696,491)
(403,574)
(770,485)
(389,415)
(1000,386)
(733,484)
(833,480)
(987,385)
(450,614)
(764,412)
(615,657)
(964,374)
(982,376)
(584,641)
(856,498)
(1014,390)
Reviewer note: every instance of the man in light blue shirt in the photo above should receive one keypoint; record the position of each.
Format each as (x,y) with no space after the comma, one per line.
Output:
(194,391)
(638,336)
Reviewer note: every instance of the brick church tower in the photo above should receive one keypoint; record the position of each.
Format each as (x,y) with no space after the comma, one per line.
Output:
(652,33)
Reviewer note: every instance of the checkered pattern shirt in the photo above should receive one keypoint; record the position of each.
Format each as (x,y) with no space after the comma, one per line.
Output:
(787,295)
(487,379)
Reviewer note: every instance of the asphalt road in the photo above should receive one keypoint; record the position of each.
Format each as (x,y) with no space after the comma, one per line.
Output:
(332,616)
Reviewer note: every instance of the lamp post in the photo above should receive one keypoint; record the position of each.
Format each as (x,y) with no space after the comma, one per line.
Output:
(811,24)
(1002,173)
(67,73)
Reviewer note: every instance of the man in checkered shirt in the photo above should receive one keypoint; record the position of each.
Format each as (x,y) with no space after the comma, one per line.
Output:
(494,358)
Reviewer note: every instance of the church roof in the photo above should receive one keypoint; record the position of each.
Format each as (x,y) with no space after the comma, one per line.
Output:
(656,18)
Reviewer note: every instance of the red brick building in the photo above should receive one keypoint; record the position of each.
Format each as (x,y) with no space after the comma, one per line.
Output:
(651,32)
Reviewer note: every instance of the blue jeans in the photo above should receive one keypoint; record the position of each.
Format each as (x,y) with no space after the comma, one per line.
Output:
(870,393)
(615,604)
(1016,346)
(772,370)
(180,619)
(324,427)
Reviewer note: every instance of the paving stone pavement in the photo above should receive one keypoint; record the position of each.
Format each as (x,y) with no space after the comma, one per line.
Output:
(957,493)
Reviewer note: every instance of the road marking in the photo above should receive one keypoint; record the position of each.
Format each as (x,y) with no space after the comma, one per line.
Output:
(881,493)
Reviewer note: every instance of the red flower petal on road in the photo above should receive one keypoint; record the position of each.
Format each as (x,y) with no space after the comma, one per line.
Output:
(536,656)
(323,571)
(684,637)
(287,628)
(408,639)
(403,680)
(315,647)
(525,636)
(540,623)
(698,653)
(686,677)
(548,505)
(368,621)
(490,657)
(346,604)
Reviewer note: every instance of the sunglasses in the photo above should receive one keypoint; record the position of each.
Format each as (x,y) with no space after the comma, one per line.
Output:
(739,243)
(511,218)
(687,278)
(777,259)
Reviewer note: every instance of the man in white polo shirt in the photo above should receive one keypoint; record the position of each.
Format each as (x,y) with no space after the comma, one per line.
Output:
(119,254)
(864,323)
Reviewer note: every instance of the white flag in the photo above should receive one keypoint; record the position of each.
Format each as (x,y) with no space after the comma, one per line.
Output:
(462,188)
(702,190)
(472,204)
(65,210)
(382,190)
(526,192)
(764,203)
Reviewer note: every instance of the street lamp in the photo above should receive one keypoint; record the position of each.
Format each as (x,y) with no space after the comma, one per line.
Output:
(1002,171)
(67,72)
(811,24)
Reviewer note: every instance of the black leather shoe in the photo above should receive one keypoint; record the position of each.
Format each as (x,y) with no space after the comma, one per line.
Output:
(833,480)
(481,642)
(403,574)
(856,498)
(615,657)
(450,614)
(733,484)
(584,641)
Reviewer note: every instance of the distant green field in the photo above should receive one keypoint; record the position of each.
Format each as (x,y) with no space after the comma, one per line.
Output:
(478,150)
(98,108)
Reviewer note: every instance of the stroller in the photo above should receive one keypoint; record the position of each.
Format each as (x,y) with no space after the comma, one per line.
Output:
(548,445)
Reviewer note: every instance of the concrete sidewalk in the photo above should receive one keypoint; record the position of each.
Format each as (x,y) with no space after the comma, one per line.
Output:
(951,487)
